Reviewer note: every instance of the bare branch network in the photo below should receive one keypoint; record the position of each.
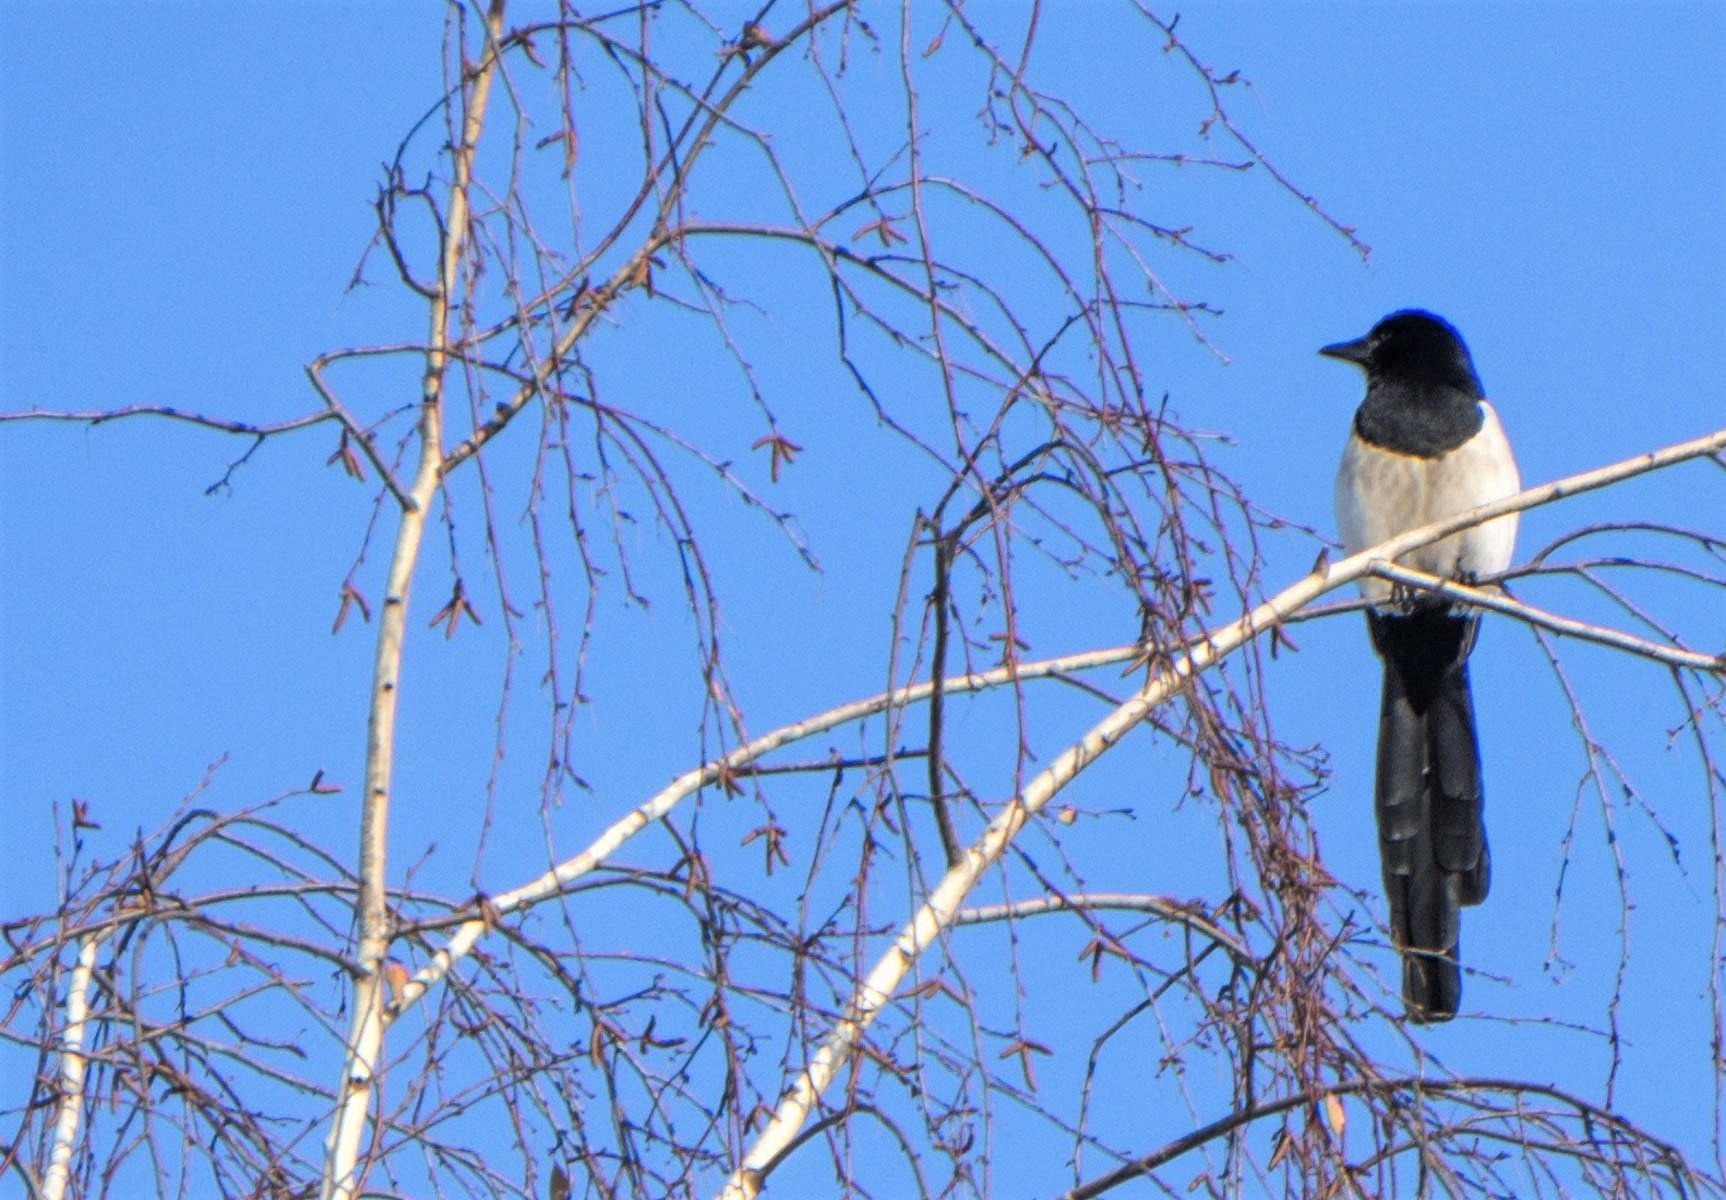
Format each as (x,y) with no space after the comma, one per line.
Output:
(855,967)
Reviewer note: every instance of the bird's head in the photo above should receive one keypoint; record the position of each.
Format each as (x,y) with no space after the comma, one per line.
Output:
(1415,347)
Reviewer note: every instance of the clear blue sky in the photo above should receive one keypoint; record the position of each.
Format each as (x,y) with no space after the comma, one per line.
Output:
(185,191)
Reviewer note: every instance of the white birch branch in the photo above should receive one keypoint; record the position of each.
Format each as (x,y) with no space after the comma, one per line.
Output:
(937,912)
(603,847)
(72,1066)
(363,1055)
(554,881)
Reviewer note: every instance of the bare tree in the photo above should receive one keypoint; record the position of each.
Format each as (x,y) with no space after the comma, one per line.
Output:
(778,963)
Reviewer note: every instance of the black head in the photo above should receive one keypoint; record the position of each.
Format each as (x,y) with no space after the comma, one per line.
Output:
(1415,347)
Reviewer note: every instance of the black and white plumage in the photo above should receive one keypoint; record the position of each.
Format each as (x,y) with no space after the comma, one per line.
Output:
(1425,445)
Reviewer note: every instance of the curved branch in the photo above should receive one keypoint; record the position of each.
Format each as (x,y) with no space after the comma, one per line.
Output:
(1170,674)
(1412,1085)
(1289,605)
(1177,913)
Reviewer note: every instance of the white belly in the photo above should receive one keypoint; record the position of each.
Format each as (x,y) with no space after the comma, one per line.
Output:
(1380,493)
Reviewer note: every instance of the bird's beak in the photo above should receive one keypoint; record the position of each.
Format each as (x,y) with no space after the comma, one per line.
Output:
(1355,352)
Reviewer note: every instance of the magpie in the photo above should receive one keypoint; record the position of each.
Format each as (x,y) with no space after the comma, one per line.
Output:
(1425,445)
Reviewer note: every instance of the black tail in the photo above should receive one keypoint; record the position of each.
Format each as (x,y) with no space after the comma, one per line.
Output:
(1432,840)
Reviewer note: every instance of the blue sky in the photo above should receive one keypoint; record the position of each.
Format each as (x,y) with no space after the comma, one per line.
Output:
(185,194)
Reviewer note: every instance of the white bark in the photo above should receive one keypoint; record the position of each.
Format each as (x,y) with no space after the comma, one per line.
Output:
(365,1042)
(72,1065)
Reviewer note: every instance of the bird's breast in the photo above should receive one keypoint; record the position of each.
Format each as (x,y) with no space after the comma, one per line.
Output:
(1381,493)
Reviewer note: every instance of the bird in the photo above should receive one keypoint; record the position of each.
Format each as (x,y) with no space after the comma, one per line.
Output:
(1425,445)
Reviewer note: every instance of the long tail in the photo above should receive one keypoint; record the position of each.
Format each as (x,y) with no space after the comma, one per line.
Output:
(1432,840)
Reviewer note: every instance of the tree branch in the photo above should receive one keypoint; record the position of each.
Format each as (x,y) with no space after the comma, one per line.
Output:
(73,1061)
(937,912)
(364,1050)
(1500,602)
